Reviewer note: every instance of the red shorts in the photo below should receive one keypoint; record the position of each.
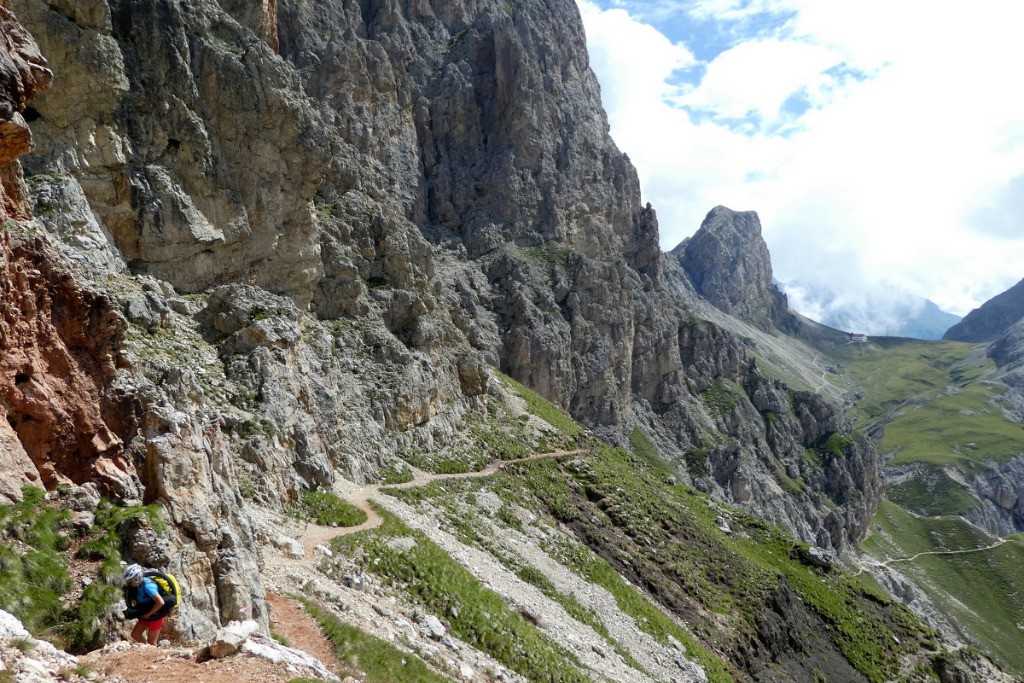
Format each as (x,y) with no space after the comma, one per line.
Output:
(155,624)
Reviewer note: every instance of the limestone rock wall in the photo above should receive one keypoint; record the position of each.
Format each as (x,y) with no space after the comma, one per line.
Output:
(323,222)
(728,263)
(23,74)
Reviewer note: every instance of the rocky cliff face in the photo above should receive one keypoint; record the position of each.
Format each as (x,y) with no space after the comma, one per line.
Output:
(728,263)
(23,74)
(316,228)
(59,347)
(1008,349)
(995,316)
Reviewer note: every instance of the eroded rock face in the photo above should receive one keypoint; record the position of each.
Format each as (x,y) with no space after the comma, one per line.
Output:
(1008,350)
(728,263)
(58,346)
(1001,491)
(23,74)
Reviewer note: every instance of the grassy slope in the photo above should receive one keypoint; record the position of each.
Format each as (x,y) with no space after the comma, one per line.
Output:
(664,538)
(891,370)
(982,590)
(945,413)
(476,614)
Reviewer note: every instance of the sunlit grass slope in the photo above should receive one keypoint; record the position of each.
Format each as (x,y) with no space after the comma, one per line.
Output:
(983,590)
(631,523)
(934,398)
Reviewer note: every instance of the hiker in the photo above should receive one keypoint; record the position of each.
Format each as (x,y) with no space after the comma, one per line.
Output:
(149,604)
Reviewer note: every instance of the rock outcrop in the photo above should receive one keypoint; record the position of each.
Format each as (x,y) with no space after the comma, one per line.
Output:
(728,262)
(58,351)
(1008,349)
(987,322)
(23,74)
(1001,492)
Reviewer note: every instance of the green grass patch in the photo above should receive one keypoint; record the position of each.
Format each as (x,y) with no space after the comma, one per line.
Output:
(105,535)
(327,509)
(896,533)
(501,441)
(553,254)
(645,449)
(932,493)
(545,410)
(791,486)
(982,589)
(477,615)
(33,567)
(833,444)
(697,461)
(720,397)
(381,661)
(954,429)
(397,474)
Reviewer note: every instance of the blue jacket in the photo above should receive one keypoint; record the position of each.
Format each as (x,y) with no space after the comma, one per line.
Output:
(147,589)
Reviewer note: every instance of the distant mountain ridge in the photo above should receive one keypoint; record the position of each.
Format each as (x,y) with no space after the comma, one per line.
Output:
(901,315)
(987,322)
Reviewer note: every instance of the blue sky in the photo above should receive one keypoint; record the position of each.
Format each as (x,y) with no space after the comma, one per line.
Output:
(881,143)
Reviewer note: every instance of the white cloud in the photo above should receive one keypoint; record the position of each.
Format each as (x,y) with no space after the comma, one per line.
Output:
(758,76)
(896,176)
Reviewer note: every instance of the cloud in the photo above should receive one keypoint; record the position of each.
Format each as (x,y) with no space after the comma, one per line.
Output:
(882,144)
(758,77)
(1001,214)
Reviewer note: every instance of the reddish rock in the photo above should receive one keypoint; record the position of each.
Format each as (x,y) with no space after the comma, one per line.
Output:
(57,342)
(58,346)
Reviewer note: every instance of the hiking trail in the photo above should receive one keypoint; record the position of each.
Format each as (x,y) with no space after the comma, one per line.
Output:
(316,534)
(886,563)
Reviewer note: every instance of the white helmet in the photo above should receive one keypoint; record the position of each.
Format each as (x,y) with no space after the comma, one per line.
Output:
(132,572)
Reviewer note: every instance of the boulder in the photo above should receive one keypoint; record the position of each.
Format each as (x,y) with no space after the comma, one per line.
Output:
(433,627)
(259,645)
(289,546)
(816,557)
(230,639)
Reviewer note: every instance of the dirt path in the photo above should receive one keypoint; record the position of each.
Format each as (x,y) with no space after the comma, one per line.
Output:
(125,662)
(291,621)
(822,381)
(315,534)
(133,663)
(864,568)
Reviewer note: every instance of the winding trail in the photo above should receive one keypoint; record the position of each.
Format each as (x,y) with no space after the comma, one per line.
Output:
(315,534)
(822,381)
(864,568)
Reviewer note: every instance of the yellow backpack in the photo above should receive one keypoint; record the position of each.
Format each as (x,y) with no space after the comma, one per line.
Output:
(170,591)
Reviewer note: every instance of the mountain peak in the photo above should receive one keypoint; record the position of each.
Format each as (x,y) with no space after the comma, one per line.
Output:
(728,262)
